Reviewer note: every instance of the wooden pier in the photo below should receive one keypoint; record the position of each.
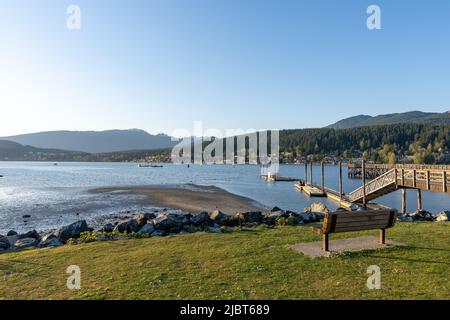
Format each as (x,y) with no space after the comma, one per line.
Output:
(384,179)
(417,177)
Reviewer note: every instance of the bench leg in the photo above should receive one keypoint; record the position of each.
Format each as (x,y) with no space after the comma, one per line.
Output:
(325,242)
(382,236)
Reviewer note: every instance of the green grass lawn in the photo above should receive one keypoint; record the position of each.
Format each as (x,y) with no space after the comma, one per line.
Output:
(251,264)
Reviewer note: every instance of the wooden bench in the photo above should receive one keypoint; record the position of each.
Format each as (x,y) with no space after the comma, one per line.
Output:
(355,221)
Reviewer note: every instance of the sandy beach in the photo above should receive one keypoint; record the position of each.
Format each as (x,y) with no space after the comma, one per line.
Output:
(190,198)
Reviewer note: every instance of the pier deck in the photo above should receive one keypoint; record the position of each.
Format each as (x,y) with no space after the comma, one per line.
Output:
(279,178)
(310,190)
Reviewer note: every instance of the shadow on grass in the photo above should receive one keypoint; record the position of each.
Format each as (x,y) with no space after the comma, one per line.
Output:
(377,253)
(427,248)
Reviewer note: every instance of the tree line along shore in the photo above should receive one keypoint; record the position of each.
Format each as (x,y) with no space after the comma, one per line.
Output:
(399,143)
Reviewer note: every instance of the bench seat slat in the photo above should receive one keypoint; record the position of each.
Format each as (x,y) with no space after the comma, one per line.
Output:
(358,228)
(361,214)
(363,219)
(381,224)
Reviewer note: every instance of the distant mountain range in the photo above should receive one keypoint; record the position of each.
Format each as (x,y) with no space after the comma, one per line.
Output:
(95,141)
(10,150)
(88,145)
(393,118)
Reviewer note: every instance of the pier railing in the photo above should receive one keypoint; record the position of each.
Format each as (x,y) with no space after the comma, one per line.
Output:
(401,166)
(372,189)
(373,171)
(425,179)
(416,177)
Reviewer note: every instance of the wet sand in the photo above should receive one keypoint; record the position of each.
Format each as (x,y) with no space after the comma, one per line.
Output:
(190,198)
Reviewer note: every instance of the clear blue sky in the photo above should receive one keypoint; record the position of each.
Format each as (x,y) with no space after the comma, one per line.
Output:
(159,65)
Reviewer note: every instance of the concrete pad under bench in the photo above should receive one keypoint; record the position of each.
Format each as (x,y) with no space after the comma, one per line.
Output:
(314,249)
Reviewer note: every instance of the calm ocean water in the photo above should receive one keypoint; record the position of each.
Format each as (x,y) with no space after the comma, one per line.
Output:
(57,195)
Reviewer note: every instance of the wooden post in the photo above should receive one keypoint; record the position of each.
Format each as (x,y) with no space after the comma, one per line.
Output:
(444,181)
(414,178)
(323,176)
(403,177)
(311,171)
(419,199)
(340,179)
(382,236)
(325,242)
(428,180)
(306,171)
(364,182)
(404,200)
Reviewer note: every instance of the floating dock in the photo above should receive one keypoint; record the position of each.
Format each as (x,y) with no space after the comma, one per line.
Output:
(278,178)
(310,190)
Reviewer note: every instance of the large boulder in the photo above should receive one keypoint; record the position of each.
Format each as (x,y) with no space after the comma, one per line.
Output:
(4,243)
(443,216)
(73,230)
(317,207)
(170,222)
(221,219)
(25,243)
(294,216)
(310,217)
(30,234)
(251,217)
(232,221)
(49,240)
(109,227)
(202,219)
(421,215)
(53,242)
(218,216)
(270,217)
(129,226)
(147,229)
(12,239)
(142,218)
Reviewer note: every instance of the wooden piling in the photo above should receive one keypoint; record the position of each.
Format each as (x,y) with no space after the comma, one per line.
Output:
(444,181)
(311,171)
(340,179)
(414,179)
(306,171)
(403,200)
(364,182)
(323,176)
(419,199)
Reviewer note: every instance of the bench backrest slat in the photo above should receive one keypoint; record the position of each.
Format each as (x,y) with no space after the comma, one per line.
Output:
(359,220)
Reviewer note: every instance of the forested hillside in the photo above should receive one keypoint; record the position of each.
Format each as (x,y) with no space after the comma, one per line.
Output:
(388,143)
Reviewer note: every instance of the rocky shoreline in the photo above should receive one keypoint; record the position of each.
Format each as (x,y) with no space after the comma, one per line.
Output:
(165,222)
